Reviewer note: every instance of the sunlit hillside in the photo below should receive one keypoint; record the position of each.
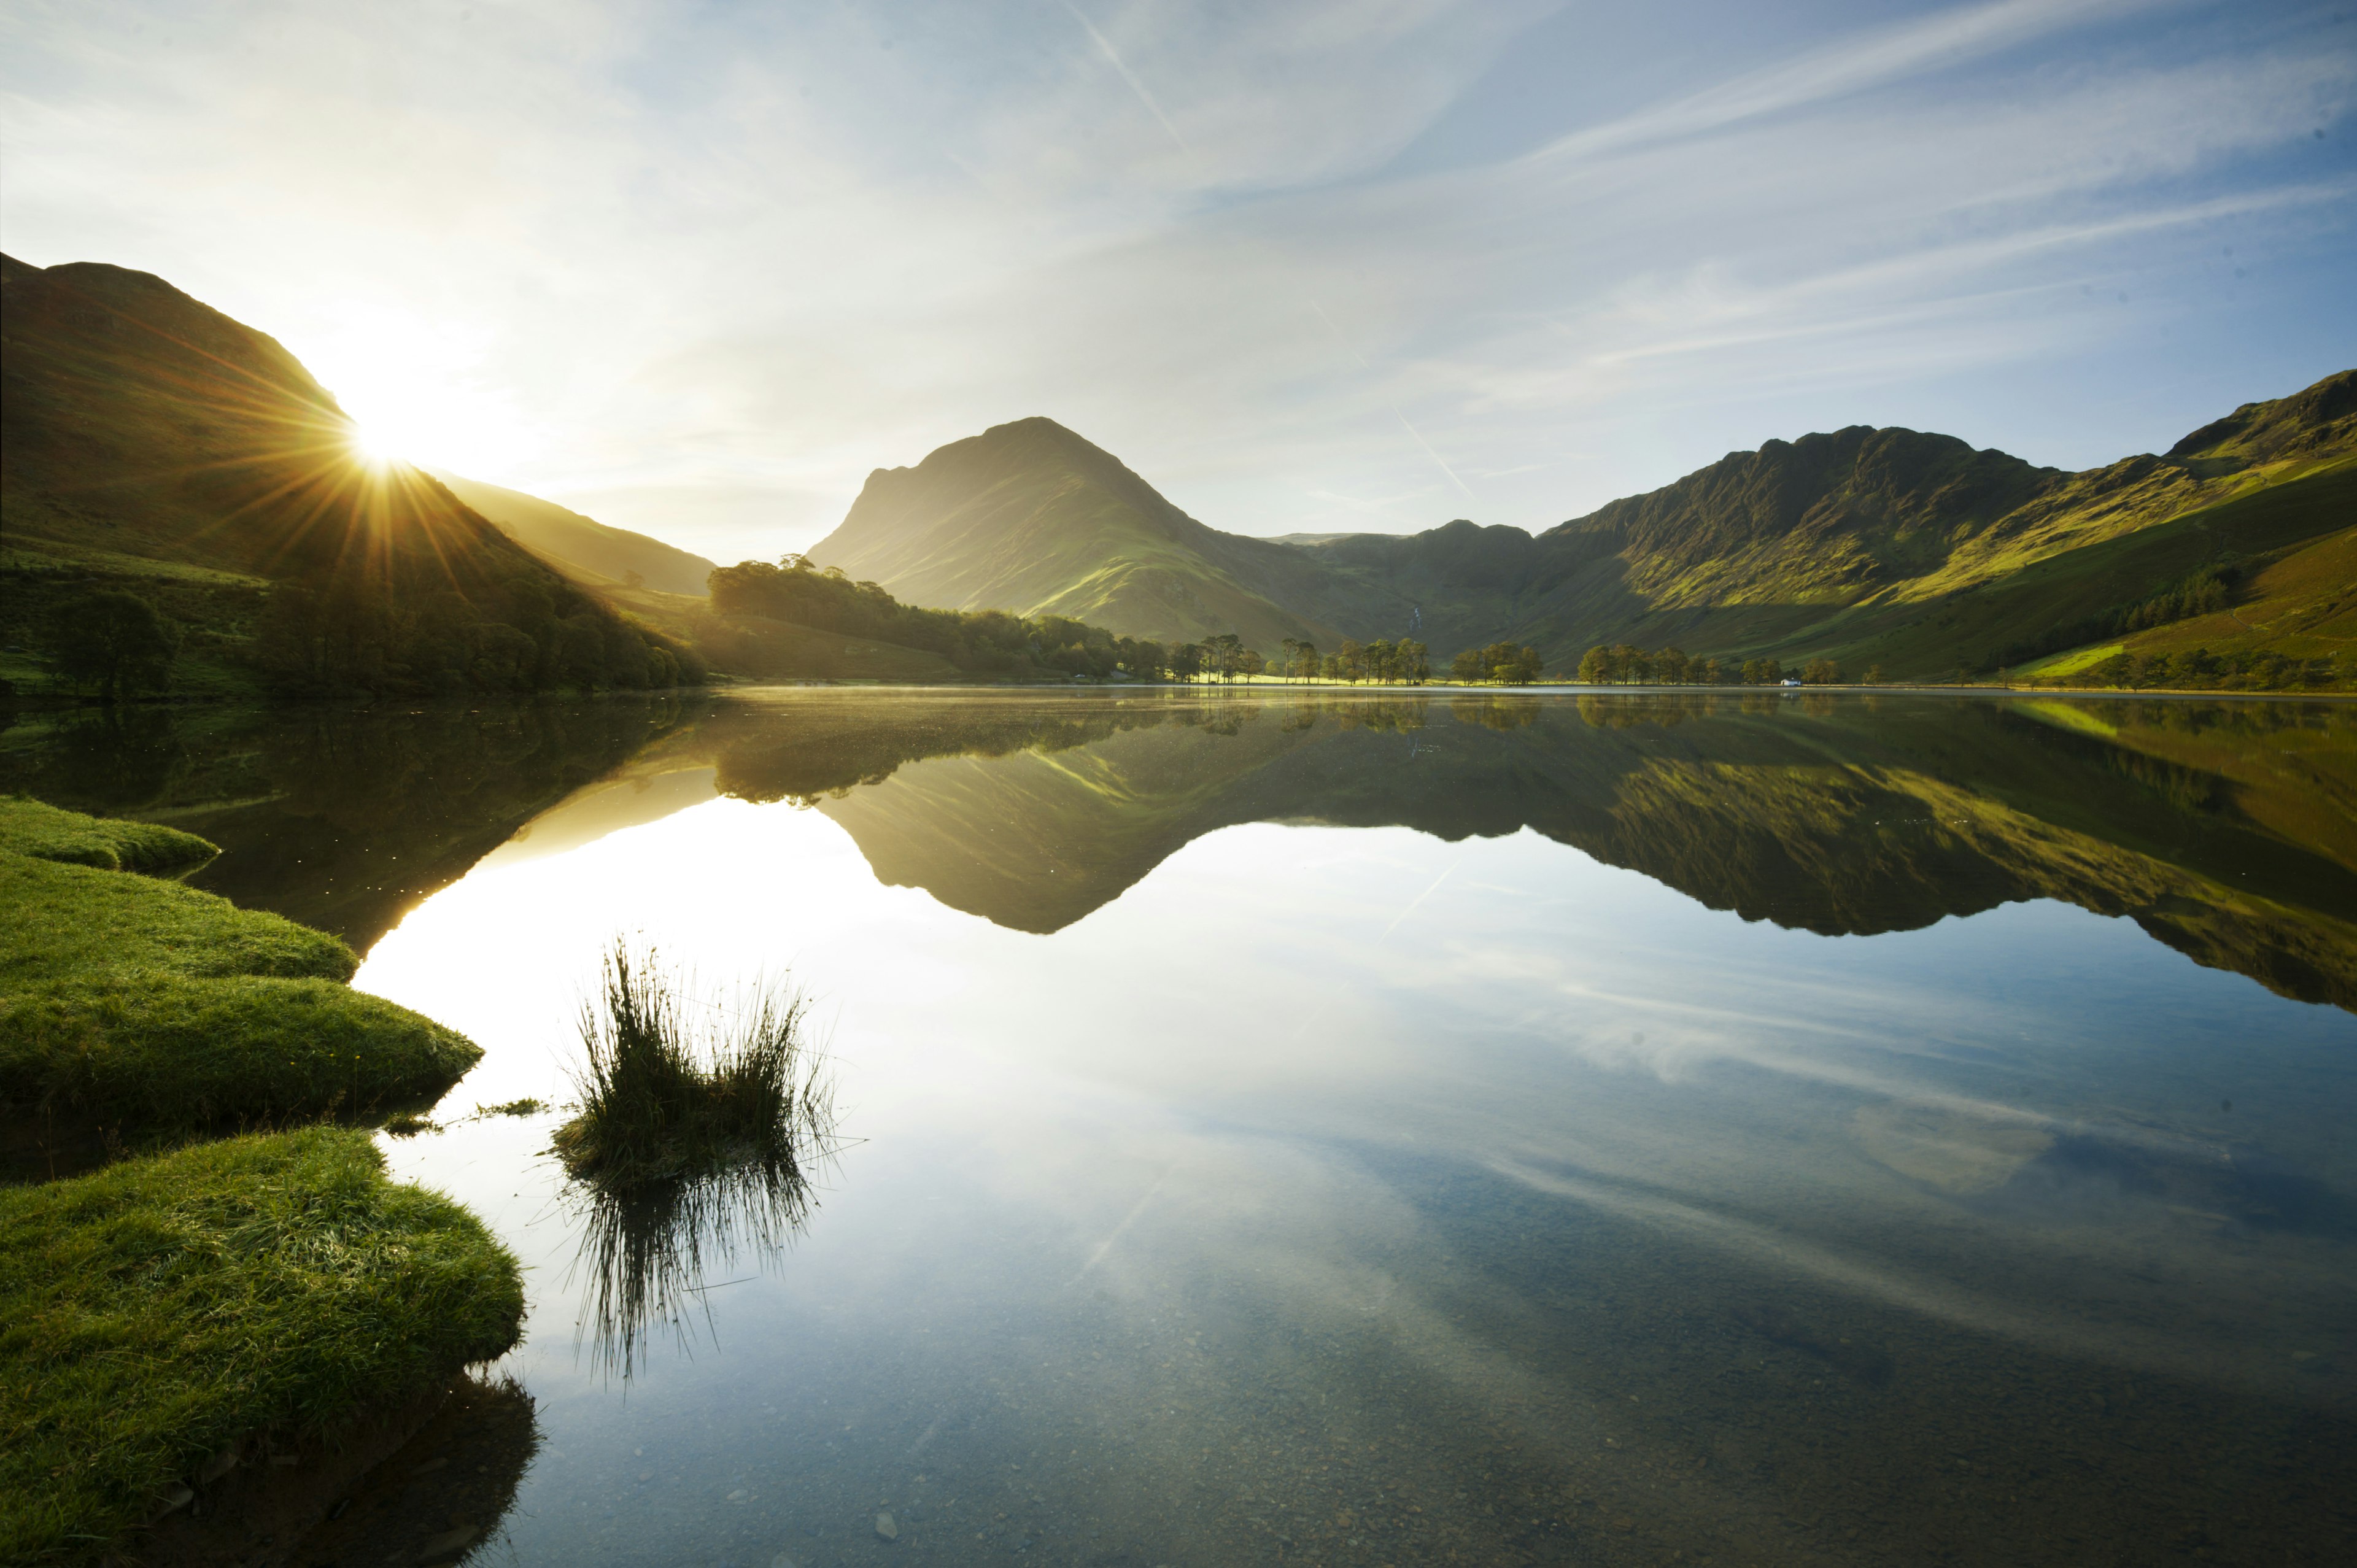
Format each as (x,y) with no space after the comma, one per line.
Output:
(1912,552)
(1031,519)
(154,443)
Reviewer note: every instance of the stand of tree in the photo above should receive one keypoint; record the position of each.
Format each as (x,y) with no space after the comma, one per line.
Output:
(1500,663)
(532,632)
(2201,669)
(1623,665)
(1406,663)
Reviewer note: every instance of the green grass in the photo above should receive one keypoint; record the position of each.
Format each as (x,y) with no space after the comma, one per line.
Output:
(172,1055)
(664,1097)
(46,832)
(147,1007)
(77,924)
(215,612)
(169,1309)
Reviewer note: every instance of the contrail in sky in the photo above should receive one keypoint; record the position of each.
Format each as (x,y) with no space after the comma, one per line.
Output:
(1411,429)
(1434,456)
(1130,77)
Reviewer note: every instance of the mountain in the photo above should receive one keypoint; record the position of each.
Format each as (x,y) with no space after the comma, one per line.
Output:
(1031,519)
(594,554)
(155,445)
(1911,551)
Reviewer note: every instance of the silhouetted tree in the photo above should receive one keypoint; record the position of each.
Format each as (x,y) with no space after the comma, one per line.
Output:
(112,640)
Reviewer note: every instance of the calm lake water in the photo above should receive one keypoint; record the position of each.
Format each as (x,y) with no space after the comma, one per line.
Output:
(1388,1129)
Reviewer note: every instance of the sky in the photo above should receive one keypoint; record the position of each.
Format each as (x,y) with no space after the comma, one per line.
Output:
(1306,265)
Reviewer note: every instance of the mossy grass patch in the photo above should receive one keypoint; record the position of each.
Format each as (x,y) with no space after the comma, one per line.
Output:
(170,1309)
(49,832)
(77,923)
(147,1007)
(170,1054)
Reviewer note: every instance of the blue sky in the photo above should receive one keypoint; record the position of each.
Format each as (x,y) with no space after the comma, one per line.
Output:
(698,269)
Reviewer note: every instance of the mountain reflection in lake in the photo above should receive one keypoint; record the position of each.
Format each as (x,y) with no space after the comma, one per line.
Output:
(1487,1127)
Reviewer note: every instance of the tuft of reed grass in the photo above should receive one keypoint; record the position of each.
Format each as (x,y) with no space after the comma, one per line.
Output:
(698,1127)
(674,1086)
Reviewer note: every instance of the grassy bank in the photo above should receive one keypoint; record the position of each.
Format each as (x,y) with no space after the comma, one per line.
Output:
(147,1007)
(45,833)
(76,923)
(159,1318)
(172,1055)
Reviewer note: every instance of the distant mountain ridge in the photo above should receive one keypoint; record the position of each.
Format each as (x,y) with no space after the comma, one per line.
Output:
(1887,546)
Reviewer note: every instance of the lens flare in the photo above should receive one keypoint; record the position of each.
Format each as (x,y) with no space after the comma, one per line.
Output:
(373,448)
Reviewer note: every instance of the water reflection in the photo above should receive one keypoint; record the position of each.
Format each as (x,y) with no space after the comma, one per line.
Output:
(2226,831)
(441,1497)
(1511,1127)
(648,1251)
(2222,831)
(340,817)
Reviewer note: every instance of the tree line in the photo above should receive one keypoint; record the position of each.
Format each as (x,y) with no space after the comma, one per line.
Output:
(355,634)
(988,642)
(1405,662)
(1622,664)
(1502,663)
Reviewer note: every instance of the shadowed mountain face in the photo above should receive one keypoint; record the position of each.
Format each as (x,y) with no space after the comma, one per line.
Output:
(140,421)
(1874,546)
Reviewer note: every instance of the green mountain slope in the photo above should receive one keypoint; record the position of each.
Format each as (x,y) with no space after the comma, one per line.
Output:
(1030,519)
(594,554)
(1891,547)
(153,443)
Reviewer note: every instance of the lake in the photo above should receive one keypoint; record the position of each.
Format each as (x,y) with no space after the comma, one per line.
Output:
(1468,1127)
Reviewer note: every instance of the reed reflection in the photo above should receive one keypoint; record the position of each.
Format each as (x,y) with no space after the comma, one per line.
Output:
(700,1120)
(647,1252)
